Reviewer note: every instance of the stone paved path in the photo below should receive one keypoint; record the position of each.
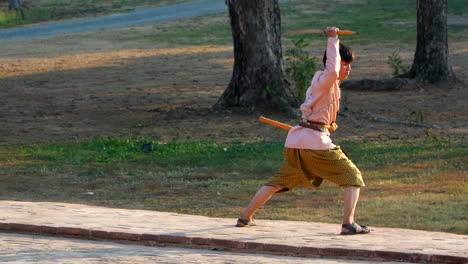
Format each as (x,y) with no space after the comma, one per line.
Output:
(291,237)
(26,249)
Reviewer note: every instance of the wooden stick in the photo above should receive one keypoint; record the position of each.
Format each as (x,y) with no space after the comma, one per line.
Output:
(275,123)
(319,31)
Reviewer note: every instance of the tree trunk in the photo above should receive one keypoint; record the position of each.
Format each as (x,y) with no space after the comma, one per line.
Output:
(258,78)
(431,58)
(430,64)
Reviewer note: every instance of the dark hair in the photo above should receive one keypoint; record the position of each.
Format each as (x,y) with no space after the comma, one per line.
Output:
(346,54)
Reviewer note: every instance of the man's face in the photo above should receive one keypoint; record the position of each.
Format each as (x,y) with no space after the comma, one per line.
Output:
(345,70)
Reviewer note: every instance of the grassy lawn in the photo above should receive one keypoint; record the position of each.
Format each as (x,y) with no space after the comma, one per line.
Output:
(50,10)
(405,179)
(375,20)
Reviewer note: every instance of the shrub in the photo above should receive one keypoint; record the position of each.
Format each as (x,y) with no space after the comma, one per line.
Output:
(301,67)
(396,63)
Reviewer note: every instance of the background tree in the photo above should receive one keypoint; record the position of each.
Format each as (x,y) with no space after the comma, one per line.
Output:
(431,58)
(258,78)
(430,63)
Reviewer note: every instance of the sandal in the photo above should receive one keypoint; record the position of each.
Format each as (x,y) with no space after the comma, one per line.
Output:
(352,229)
(242,223)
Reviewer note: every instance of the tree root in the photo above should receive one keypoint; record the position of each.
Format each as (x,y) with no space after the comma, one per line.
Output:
(392,84)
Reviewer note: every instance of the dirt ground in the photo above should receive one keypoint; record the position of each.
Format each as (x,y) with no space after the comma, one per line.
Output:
(101,84)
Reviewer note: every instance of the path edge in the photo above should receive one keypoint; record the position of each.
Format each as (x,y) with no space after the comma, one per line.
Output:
(231,245)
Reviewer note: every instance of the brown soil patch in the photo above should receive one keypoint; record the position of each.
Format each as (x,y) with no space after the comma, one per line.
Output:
(95,84)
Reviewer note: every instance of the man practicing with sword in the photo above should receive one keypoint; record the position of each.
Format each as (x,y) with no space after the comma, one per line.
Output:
(309,154)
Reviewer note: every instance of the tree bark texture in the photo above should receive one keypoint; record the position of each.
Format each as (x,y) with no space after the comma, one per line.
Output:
(430,64)
(431,58)
(258,78)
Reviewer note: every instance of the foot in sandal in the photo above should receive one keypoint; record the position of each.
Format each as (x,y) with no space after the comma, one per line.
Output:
(243,222)
(354,229)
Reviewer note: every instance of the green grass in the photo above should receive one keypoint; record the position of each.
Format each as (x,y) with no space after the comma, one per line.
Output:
(405,179)
(204,30)
(457,7)
(45,10)
(375,20)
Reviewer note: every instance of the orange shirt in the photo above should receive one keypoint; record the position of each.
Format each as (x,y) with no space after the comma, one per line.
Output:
(321,105)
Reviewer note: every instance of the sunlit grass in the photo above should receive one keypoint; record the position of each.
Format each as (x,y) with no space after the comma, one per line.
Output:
(413,183)
(378,21)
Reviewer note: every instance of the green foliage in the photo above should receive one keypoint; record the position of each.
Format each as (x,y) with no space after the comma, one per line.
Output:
(301,67)
(396,63)
(9,18)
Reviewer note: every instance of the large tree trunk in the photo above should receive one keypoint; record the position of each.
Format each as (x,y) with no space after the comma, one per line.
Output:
(258,78)
(430,63)
(431,58)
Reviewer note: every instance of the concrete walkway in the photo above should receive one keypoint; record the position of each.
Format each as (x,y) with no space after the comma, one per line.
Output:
(275,237)
(37,249)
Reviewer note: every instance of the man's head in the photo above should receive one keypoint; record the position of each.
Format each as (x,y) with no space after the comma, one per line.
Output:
(347,57)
